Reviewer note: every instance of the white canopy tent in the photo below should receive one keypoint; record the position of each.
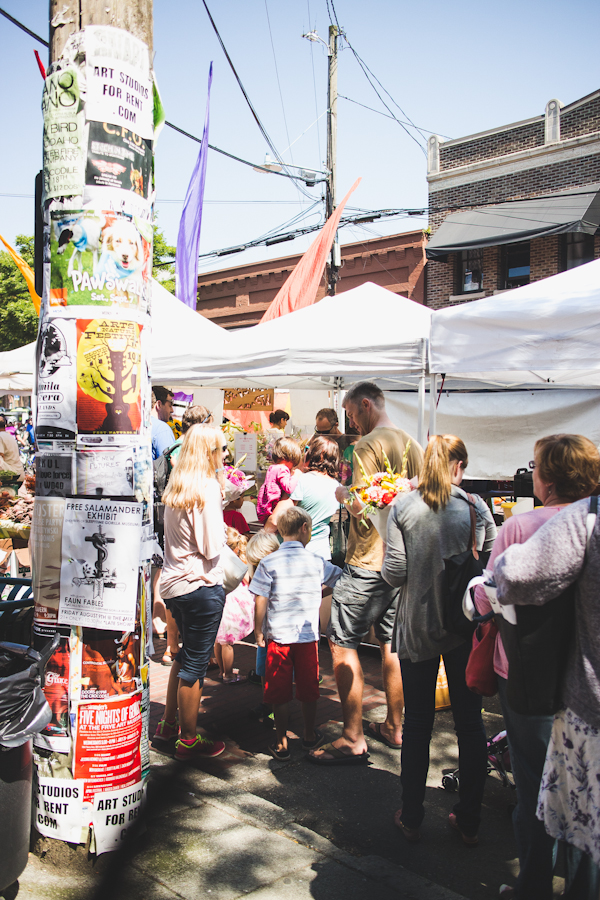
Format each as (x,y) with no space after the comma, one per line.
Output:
(179,336)
(516,366)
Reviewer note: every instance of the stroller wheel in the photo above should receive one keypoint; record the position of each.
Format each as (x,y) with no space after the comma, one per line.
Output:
(450,782)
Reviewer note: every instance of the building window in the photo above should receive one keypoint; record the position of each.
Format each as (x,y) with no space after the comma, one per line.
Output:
(577,249)
(515,265)
(470,271)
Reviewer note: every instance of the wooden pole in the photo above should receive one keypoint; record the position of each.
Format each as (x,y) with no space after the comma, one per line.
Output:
(92,522)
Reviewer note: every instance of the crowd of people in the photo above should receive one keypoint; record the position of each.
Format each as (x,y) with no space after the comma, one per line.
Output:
(397,588)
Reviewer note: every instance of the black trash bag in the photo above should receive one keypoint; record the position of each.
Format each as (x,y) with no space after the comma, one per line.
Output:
(24,710)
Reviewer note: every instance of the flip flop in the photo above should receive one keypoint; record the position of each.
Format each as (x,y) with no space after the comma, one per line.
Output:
(339,757)
(313,745)
(281,755)
(374,731)
(234,679)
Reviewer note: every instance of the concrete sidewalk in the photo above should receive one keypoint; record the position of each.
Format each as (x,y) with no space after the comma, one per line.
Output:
(208,839)
(247,825)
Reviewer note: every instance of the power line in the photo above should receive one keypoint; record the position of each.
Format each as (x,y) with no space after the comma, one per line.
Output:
(24,28)
(386,116)
(261,127)
(312,60)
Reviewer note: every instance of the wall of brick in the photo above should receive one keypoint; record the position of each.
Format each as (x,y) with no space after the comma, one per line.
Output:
(529,183)
(544,257)
(584,119)
(491,145)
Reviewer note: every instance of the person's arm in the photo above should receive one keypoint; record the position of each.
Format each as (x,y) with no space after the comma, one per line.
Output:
(331,573)
(209,529)
(260,611)
(271,523)
(503,540)
(487,520)
(286,479)
(545,565)
(394,569)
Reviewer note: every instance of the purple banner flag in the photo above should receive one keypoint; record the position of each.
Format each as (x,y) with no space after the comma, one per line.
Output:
(188,239)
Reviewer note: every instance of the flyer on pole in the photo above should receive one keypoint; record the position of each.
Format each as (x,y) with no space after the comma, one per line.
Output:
(99,563)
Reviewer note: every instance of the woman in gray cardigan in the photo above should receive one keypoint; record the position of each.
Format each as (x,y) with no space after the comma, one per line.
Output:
(425,528)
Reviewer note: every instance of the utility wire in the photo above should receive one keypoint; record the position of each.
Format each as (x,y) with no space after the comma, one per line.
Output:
(24,28)
(245,162)
(386,116)
(312,60)
(261,127)
(170,124)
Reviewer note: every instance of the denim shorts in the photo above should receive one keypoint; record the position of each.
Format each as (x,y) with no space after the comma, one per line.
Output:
(362,598)
(198,616)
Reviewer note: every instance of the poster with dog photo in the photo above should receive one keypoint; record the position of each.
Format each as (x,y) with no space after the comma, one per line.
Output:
(99,259)
(118,158)
(57,381)
(109,401)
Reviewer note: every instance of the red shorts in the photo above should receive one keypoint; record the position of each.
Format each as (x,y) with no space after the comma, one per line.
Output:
(289,662)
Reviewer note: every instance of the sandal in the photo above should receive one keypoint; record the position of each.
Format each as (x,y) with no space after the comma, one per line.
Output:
(339,757)
(412,835)
(282,755)
(314,744)
(167,659)
(233,679)
(468,840)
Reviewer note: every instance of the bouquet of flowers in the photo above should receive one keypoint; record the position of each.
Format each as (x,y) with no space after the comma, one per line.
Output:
(238,480)
(380,490)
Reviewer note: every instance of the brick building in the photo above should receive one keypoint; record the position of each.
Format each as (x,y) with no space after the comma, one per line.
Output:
(239,296)
(529,201)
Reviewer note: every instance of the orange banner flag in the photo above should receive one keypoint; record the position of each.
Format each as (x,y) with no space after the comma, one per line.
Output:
(27,273)
(301,286)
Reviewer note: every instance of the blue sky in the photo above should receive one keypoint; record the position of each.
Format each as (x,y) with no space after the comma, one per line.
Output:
(454,68)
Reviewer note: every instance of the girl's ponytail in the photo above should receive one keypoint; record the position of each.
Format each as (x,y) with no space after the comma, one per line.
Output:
(435,482)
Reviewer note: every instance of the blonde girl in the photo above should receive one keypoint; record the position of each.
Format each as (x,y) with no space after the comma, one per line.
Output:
(192,581)
(238,616)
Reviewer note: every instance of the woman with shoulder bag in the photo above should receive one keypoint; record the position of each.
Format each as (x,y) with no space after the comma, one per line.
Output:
(565,469)
(559,754)
(427,527)
(192,582)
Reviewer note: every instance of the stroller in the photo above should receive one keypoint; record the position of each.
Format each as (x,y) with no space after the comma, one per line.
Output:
(498,762)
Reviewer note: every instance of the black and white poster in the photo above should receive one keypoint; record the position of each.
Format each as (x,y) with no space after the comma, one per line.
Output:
(57,381)
(99,563)
(106,473)
(119,159)
(53,474)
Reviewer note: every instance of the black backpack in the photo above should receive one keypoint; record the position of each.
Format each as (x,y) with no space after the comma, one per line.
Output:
(458,571)
(162,471)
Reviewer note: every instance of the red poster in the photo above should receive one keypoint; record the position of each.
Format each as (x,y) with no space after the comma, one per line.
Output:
(107,749)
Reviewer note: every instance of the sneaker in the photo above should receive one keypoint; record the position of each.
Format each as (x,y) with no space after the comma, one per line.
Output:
(468,840)
(253,678)
(201,748)
(165,731)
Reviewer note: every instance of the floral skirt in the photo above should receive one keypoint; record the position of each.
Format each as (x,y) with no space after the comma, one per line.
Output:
(238,616)
(569,800)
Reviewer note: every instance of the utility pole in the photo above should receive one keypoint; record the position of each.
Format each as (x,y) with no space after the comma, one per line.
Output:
(92,521)
(330,196)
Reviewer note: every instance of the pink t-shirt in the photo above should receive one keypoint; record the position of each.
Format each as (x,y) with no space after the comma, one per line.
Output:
(515,530)
(278,480)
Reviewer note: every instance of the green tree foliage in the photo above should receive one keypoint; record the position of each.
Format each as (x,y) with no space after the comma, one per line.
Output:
(18,318)
(161,252)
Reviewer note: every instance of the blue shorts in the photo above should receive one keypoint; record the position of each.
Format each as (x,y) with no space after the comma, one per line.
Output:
(198,616)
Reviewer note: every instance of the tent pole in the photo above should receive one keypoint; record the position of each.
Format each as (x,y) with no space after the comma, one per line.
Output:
(421,426)
(432,404)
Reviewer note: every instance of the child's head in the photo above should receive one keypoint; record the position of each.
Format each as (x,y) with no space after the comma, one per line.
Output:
(259,546)
(235,504)
(295,525)
(287,450)
(237,542)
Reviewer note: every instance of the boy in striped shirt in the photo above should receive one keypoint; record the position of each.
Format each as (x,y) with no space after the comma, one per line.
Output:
(287,587)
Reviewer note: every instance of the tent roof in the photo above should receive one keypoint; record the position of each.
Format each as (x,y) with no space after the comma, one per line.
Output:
(548,330)
(519,220)
(179,337)
(365,332)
